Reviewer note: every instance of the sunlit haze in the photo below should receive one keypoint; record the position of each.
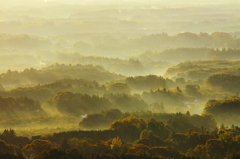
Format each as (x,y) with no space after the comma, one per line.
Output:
(119,79)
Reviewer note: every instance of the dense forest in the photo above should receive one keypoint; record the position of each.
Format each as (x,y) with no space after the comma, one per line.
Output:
(119,79)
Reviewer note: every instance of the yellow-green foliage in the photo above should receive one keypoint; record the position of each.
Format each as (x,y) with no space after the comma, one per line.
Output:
(146,82)
(203,69)
(116,144)
(128,122)
(57,72)
(118,88)
(218,107)
(225,82)
(224,110)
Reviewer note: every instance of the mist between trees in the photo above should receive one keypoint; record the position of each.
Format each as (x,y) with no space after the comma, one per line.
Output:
(120,79)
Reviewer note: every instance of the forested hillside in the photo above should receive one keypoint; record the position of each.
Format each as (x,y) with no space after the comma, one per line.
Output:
(119,79)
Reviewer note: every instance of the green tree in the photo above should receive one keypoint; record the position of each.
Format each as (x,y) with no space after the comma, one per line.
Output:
(116,144)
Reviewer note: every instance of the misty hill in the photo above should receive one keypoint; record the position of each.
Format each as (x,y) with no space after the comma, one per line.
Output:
(117,45)
(224,82)
(35,51)
(20,107)
(203,69)
(224,111)
(127,67)
(104,119)
(24,42)
(45,91)
(145,83)
(79,104)
(55,72)
(183,54)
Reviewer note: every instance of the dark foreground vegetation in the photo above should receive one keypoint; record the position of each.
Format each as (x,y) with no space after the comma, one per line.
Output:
(131,137)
